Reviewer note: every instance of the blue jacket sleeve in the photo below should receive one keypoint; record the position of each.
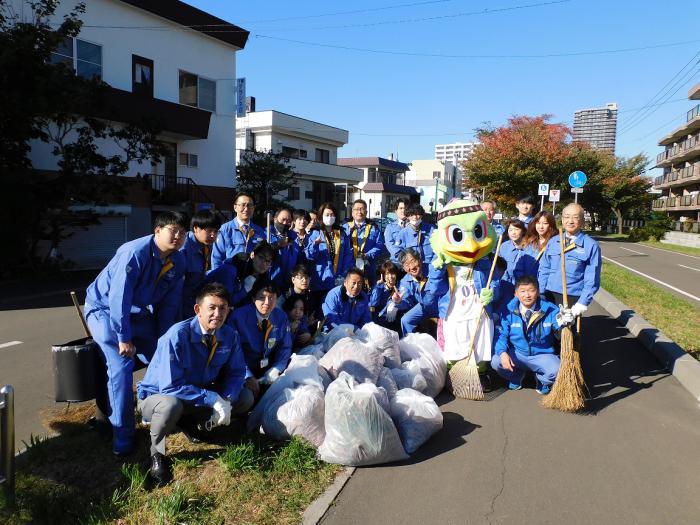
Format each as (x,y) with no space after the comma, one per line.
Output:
(171,375)
(284,348)
(437,286)
(331,310)
(121,293)
(378,248)
(347,258)
(234,372)
(312,249)
(591,276)
(218,251)
(544,270)
(366,316)
(169,307)
(389,238)
(501,344)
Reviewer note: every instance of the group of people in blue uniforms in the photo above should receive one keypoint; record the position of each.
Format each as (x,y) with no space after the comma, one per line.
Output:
(215,310)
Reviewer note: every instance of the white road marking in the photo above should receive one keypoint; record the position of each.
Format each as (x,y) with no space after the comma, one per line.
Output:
(652,279)
(689,268)
(11,343)
(633,251)
(668,251)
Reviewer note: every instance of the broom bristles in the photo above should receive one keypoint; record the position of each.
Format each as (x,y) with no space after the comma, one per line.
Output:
(567,393)
(464,380)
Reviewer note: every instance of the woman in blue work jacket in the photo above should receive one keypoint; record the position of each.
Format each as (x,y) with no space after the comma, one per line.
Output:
(329,251)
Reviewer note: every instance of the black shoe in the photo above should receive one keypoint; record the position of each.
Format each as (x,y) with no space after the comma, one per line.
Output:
(160,469)
(102,427)
(190,431)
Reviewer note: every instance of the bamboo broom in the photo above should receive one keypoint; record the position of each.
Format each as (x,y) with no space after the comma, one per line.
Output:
(464,375)
(567,393)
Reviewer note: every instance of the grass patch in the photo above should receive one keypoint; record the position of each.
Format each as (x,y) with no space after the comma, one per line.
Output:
(73,478)
(673,247)
(676,318)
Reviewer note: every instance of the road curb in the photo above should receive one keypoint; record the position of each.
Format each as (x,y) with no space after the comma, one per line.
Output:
(315,512)
(682,366)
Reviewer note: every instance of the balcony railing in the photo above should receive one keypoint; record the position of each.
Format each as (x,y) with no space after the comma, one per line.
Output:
(170,189)
(676,203)
(678,148)
(693,113)
(678,175)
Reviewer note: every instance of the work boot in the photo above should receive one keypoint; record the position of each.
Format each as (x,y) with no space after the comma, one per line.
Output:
(160,469)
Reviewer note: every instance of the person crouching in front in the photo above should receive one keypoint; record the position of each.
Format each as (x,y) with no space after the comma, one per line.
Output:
(347,303)
(198,369)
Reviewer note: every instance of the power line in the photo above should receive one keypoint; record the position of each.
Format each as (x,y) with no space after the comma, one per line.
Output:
(659,92)
(441,55)
(486,11)
(660,127)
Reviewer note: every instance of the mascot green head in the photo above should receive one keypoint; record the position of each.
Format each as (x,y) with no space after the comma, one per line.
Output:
(463,234)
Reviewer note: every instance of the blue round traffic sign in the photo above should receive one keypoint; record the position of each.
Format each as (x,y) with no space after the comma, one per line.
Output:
(577,179)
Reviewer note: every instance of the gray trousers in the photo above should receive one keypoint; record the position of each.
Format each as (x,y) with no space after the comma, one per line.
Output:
(164,412)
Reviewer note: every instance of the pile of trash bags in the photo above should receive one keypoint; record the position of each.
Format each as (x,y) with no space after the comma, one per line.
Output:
(362,397)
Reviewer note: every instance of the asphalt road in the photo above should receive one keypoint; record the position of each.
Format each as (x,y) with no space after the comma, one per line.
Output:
(632,459)
(676,272)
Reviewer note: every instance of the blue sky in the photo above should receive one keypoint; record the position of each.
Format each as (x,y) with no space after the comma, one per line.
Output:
(407,104)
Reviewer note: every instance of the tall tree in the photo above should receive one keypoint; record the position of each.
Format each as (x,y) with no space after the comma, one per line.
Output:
(513,159)
(46,101)
(625,189)
(265,175)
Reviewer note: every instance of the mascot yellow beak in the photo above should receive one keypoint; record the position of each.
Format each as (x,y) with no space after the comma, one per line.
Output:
(470,251)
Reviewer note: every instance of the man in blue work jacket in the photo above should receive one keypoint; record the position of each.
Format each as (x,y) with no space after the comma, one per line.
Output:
(265,337)
(198,368)
(239,234)
(489,208)
(526,337)
(582,261)
(417,235)
(204,228)
(132,302)
(347,303)
(411,293)
(286,252)
(391,232)
(366,240)
(525,206)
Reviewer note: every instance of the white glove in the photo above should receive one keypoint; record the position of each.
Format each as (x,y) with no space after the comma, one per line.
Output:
(222,412)
(339,280)
(391,310)
(249,282)
(578,309)
(270,376)
(564,317)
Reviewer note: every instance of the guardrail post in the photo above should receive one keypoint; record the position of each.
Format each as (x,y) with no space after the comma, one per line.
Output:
(7,444)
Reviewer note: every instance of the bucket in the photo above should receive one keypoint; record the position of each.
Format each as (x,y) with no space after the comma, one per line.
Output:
(75,366)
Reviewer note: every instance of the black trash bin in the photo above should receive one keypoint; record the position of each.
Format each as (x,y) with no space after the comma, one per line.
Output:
(75,370)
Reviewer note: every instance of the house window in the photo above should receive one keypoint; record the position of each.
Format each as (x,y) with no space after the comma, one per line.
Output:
(189,160)
(323,155)
(142,76)
(309,194)
(294,153)
(436,175)
(85,58)
(197,91)
(293,193)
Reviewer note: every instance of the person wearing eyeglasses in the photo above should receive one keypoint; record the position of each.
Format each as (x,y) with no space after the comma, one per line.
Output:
(240,273)
(134,300)
(238,235)
(366,239)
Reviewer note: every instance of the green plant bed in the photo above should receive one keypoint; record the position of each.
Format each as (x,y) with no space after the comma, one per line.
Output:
(675,317)
(74,479)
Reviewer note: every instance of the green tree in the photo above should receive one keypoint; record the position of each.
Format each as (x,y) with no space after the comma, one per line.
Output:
(265,175)
(46,101)
(625,189)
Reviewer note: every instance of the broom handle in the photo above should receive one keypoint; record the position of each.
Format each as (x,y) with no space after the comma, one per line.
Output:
(481,311)
(80,313)
(268,226)
(564,293)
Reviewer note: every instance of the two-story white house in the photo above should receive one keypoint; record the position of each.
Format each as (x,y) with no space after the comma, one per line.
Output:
(312,149)
(436,181)
(383,182)
(176,65)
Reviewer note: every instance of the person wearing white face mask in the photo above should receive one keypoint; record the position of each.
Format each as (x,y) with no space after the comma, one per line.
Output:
(329,251)
(417,235)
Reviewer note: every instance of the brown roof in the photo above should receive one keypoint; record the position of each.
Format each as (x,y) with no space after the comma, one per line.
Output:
(187,15)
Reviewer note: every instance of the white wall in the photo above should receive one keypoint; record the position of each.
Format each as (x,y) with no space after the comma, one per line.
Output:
(171,50)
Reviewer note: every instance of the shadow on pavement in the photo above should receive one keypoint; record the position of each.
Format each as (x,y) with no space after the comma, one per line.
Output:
(615,365)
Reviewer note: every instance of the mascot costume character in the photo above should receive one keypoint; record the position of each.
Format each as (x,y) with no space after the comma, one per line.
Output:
(457,281)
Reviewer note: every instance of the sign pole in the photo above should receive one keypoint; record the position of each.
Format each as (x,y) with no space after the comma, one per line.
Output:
(542,202)
(576,197)
(554,207)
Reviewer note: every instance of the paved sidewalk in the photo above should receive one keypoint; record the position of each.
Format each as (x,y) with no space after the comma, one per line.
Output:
(633,459)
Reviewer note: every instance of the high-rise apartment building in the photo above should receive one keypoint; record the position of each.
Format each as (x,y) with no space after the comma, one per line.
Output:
(455,152)
(597,127)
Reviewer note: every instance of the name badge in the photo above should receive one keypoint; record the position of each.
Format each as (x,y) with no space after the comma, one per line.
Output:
(271,342)
(360,263)
(264,362)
